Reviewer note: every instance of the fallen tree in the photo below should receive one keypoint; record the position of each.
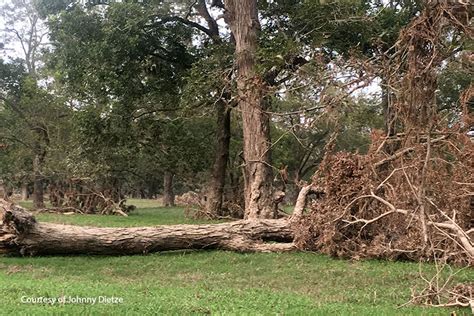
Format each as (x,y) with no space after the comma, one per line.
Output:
(411,197)
(81,195)
(21,234)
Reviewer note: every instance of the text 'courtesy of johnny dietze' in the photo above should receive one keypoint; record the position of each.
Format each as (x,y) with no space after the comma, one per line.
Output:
(72,300)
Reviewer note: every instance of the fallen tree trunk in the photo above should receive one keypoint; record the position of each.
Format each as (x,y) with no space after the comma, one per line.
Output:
(21,234)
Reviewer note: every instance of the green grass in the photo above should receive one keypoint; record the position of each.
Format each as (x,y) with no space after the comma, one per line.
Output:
(148,213)
(209,282)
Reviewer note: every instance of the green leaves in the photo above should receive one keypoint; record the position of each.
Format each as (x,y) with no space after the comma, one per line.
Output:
(127,73)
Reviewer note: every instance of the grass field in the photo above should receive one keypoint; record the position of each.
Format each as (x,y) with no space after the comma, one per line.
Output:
(208,282)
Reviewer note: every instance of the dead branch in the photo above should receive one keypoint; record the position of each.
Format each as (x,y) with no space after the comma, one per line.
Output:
(405,151)
(302,199)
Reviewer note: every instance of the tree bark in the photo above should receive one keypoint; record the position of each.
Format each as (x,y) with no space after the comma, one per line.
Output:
(301,200)
(215,194)
(168,194)
(242,17)
(24,191)
(38,191)
(21,234)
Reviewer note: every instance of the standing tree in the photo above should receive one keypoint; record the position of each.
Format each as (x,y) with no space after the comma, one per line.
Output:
(155,19)
(128,87)
(212,92)
(24,27)
(242,16)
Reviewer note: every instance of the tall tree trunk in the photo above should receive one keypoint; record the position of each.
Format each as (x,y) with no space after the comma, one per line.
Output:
(38,192)
(215,194)
(38,161)
(21,234)
(242,17)
(24,191)
(168,194)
